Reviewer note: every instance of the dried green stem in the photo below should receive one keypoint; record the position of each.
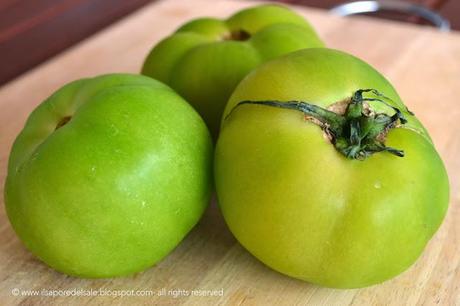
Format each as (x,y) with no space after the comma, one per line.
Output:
(357,133)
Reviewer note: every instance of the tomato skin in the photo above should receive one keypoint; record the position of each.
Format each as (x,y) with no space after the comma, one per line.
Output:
(117,187)
(304,209)
(204,63)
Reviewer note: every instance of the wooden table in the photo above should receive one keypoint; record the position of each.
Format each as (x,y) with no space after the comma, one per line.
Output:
(33,31)
(423,64)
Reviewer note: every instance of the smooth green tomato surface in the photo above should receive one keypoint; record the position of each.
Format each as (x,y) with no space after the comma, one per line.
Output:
(303,208)
(108,175)
(206,58)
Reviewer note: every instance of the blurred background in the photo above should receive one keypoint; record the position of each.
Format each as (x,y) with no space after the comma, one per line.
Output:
(31,31)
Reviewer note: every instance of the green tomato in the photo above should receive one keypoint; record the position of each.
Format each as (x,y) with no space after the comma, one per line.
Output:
(108,176)
(206,58)
(291,196)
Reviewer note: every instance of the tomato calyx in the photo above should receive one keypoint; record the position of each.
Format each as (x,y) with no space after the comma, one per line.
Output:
(358,132)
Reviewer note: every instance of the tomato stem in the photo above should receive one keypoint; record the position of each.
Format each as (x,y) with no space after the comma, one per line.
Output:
(359,132)
(237,35)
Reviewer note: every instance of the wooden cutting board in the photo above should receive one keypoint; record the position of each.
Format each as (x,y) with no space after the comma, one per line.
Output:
(422,63)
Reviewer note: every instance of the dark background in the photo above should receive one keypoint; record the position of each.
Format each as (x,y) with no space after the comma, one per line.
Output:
(32,31)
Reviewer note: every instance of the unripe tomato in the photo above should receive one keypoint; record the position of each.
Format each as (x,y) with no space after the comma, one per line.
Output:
(206,58)
(318,190)
(108,175)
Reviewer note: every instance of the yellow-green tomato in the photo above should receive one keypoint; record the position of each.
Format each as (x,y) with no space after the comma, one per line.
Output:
(108,175)
(317,190)
(206,58)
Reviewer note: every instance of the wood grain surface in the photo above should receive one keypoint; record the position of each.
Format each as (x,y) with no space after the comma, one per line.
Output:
(33,31)
(423,64)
